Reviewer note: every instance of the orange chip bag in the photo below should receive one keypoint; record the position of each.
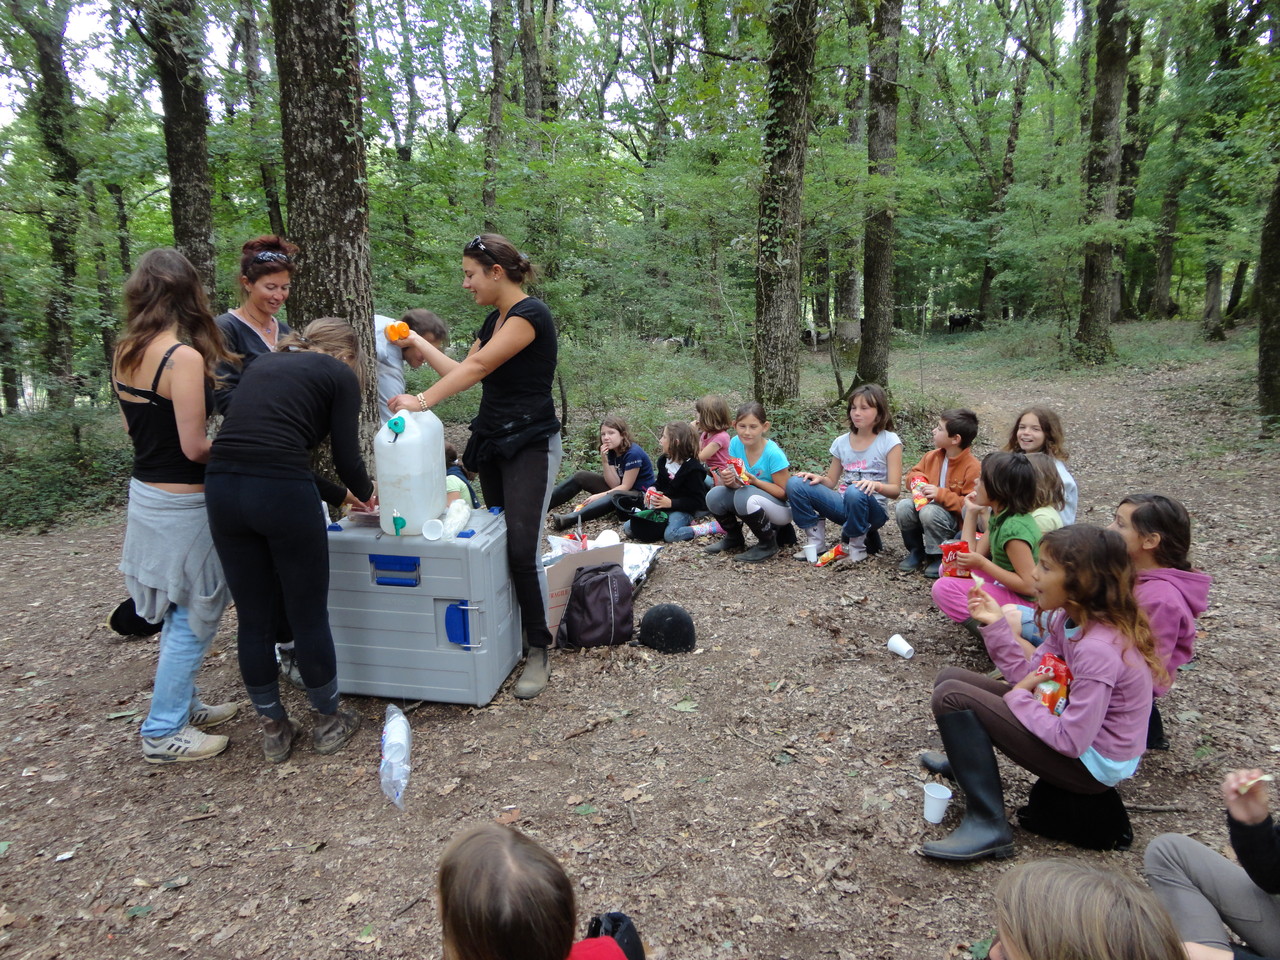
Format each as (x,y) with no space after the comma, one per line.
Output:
(1052,691)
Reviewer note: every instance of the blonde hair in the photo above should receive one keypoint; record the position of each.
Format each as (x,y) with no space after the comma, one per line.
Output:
(1067,910)
(1049,490)
(713,414)
(329,335)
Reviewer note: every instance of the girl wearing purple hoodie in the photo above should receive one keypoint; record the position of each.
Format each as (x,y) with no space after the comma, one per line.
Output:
(1157,533)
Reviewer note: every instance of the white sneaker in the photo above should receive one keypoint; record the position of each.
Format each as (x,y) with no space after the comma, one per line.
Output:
(187,744)
(210,716)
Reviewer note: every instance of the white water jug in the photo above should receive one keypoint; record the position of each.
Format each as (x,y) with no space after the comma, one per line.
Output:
(408,454)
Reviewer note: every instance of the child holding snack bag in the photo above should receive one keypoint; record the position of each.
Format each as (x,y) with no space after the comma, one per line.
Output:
(713,423)
(679,489)
(1004,496)
(1080,751)
(864,474)
(938,485)
(754,489)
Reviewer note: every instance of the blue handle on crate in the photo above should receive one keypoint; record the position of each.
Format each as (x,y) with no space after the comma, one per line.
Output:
(466,534)
(395,581)
(385,566)
(495,510)
(457,627)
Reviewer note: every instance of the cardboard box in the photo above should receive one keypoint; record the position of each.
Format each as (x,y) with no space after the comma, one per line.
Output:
(560,578)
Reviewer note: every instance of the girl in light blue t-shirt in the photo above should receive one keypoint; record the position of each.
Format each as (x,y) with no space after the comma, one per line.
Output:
(864,474)
(755,495)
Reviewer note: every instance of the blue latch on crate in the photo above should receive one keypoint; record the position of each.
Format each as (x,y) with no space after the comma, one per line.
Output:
(457,625)
(392,571)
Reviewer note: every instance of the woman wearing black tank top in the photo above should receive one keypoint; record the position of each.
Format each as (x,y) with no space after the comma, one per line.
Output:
(515,438)
(163,375)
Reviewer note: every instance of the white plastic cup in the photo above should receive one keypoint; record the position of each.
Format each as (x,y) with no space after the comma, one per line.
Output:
(811,552)
(936,798)
(433,529)
(903,649)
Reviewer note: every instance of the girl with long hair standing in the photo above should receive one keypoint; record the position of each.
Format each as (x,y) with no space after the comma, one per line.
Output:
(163,377)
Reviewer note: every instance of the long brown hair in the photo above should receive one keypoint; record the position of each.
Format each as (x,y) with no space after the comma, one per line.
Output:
(1098,581)
(503,896)
(1051,424)
(163,290)
(1069,910)
(329,335)
(1153,513)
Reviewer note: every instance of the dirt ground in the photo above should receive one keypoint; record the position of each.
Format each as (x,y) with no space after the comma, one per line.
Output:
(758,798)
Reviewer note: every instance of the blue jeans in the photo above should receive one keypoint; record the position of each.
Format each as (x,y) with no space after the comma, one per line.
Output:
(855,511)
(174,694)
(679,527)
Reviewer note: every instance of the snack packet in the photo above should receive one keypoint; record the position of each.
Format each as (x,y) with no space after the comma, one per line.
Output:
(1054,689)
(741,469)
(916,483)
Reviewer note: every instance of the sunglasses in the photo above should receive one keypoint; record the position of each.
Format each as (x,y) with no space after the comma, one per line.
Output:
(270,256)
(476,244)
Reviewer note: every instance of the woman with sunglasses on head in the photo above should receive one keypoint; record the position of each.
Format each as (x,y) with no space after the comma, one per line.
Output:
(252,329)
(515,438)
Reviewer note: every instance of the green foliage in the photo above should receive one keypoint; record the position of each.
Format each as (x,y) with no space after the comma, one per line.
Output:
(72,463)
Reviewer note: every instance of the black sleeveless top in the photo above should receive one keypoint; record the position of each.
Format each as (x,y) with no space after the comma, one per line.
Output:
(153,428)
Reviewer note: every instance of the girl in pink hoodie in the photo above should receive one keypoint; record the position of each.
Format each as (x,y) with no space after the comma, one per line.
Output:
(1157,534)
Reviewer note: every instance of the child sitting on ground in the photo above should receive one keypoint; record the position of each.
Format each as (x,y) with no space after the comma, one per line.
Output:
(1038,430)
(1006,490)
(755,496)
(713,424)
(503,896)
(864,474)
(624,467)
(1050,496)
(680,485)
(950,471)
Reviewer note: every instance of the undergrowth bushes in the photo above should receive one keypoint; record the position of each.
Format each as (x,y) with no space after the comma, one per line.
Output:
(64,463)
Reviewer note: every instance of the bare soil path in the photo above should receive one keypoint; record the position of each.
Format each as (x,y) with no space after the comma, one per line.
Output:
(759,798)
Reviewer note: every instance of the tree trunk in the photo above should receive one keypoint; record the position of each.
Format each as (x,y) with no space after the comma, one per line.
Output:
(882,154)
(318,58)
(1211,321)
(1236,297)
(530,61)
(9,370)
(846,248)
(1266,296)
(178,43)
(1162,304)
(55,120)
(123,248)
(253,91)
(792,41)
(1102,169)
(821,288)
(493,128)
(107,319)
(986,295)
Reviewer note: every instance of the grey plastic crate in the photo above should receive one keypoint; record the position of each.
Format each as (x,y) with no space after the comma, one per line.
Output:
(419,619)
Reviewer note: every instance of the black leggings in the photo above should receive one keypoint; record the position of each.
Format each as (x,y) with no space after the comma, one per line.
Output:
(271,537)
(528,476)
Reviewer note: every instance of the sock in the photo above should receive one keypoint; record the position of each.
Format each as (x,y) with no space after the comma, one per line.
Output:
(324,699)
(711,526)
(266,700)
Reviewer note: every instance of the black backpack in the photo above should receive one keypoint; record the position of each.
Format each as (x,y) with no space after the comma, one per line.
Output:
(599,612)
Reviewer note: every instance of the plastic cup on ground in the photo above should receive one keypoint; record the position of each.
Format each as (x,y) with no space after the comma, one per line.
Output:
(433,529)
(897,644)
(936,798)
(811,552)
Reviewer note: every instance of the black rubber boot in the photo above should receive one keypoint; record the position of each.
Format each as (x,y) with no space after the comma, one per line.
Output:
(936,762)
(984,832)
(873,542)
(563,492)
(766,537)
(732,539)
(1156,740)
(974,629)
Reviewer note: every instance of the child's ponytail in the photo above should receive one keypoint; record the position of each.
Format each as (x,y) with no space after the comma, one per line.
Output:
(1098,581)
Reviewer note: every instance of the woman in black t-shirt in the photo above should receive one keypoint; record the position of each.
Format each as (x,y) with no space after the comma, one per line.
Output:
(252,329)
(515,438)
(269,528)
